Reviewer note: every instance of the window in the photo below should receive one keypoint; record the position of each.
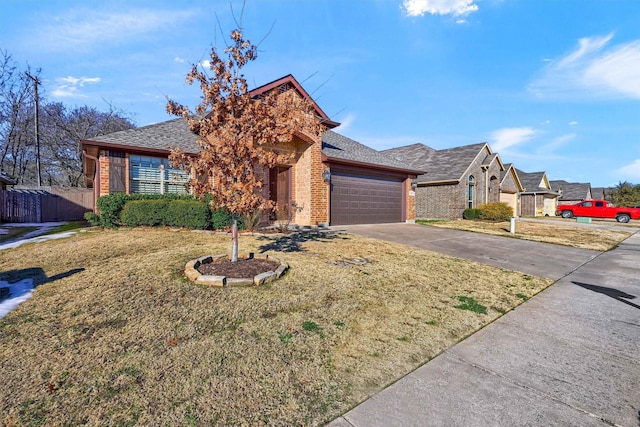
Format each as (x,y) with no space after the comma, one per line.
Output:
(470,190)
(153,175)
(599,204)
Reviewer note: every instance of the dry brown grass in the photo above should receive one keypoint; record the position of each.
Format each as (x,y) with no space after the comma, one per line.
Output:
(116,335)
(550,231)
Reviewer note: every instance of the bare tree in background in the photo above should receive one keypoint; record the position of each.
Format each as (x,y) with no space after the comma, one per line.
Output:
(61,130)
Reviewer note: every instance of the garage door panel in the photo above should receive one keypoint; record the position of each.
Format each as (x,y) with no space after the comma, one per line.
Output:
(363,199)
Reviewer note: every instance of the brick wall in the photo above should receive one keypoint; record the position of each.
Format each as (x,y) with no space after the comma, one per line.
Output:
(410,204)
(104,173)
(441,201)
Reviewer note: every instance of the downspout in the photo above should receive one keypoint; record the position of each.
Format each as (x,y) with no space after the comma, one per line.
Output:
(96,178)
(535,204)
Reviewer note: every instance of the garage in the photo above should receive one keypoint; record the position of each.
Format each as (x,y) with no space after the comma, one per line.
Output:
(365,199)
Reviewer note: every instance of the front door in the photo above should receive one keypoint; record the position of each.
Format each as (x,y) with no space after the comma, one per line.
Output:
(279,183)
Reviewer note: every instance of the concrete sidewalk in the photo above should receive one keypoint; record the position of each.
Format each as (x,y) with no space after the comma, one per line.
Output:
(570,356)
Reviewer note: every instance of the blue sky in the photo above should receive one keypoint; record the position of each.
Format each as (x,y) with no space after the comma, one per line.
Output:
(551,85)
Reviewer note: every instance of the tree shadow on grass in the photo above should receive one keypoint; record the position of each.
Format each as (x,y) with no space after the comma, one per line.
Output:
(293,242)
(610,292)
(36,273)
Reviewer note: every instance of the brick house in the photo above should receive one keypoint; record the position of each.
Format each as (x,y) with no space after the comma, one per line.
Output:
(537,198)
(332,180)
(456,178)
(572,192)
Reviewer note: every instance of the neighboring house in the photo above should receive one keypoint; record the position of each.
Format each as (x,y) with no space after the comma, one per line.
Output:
(600,193)
(329,180)
(456,178)
(571,192)
(5,180)
(537,198)
(510,188)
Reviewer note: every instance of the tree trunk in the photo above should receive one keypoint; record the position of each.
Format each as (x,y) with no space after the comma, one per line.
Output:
(234,240)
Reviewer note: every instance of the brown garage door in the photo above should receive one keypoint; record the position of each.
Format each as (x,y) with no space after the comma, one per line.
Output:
(364,199)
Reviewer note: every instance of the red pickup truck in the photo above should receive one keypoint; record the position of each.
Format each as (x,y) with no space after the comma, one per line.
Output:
(598,209)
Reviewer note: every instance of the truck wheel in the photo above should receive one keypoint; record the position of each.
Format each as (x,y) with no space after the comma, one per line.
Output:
(567,214)
(623,218)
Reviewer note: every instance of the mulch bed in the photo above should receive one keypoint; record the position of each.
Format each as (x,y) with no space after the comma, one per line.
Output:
(244,268)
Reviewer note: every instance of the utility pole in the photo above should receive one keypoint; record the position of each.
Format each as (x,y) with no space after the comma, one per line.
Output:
(36,82)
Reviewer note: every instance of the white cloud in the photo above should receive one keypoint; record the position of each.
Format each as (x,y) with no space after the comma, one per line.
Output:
(556,143)
(206,63)
(439,7)
(178,59)
(68,87)
(510,137)
(630,171)
(595,68)
(82,28)
(346,122)
(573,123)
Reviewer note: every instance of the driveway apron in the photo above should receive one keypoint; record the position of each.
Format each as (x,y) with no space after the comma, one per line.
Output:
(570,356)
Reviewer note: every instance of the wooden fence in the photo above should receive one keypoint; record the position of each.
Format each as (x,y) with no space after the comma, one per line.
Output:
(44,204)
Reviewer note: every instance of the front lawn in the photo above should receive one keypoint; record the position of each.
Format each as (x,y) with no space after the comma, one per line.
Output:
(115,335)
(548,231)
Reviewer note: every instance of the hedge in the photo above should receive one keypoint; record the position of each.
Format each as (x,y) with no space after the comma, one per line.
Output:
(174,213)
(111,207)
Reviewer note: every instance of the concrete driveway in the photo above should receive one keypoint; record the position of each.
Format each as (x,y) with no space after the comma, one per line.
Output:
(537,259)
(570,356)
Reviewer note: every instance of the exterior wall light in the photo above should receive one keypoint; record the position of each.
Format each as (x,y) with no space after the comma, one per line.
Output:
(326,175)
(414,184)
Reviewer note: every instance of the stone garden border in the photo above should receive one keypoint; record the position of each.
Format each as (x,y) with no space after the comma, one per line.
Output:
(192,273)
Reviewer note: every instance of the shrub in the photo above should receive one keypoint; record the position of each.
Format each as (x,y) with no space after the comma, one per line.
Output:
(471,213)
(111,205)
(221,219)
(174,213)
(499,211)
(188,214)
(92,219)
(144,212)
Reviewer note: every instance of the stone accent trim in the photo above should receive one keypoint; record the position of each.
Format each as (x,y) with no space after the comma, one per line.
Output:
(192,273)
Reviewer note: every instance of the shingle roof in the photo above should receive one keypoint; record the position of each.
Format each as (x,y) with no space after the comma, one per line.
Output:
(339,147)
(159,136)
(571,190)
(440,165)
(531,181)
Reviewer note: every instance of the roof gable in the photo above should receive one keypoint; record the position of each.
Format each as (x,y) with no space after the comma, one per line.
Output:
(289,82)
(509,169)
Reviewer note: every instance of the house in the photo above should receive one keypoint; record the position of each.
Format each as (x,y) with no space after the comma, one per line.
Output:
(601,193)
(537,197)
(5,180)
(332,180)
(571,192)
(456,178)
(511,188)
